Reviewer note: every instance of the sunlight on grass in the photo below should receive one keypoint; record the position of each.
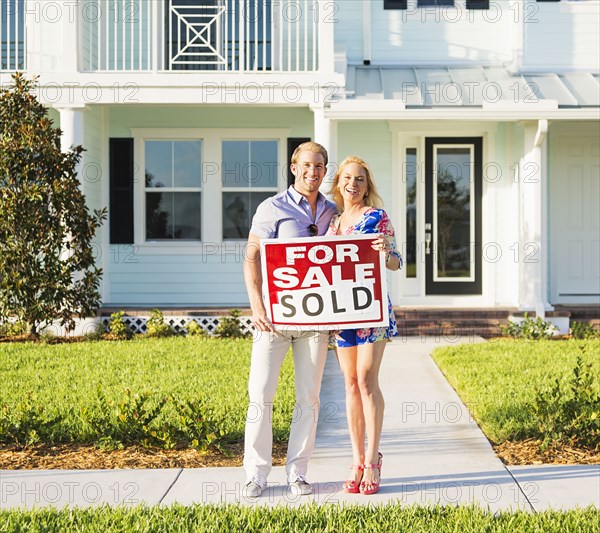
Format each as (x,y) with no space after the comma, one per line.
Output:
(58,389)
(498,380)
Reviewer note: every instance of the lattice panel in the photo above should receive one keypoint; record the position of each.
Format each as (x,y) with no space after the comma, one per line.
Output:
(137,324)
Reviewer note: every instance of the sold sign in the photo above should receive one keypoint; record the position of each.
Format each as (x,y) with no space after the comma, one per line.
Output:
(325,282)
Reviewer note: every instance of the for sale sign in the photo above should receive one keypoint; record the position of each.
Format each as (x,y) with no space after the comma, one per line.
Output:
(324,282)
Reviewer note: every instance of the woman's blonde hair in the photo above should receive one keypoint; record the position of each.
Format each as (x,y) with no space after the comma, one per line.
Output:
(371,197)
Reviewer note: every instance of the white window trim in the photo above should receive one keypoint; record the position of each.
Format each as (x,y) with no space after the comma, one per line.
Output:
(211,232)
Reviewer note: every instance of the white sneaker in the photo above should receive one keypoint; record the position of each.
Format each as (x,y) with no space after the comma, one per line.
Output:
(300,487)
(254,487)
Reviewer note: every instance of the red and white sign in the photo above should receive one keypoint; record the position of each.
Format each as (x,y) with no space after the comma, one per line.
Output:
(324,282)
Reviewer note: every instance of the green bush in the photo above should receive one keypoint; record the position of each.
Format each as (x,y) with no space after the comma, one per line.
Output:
(229,326)
(48,271)
(157,327)
(570,413)
(12,329)
(128,420)
(529,328)
(198,424)
(195,329)
(118,329)
(583,330)
(27,423)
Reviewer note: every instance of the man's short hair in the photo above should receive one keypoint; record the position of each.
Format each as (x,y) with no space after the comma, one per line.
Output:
(310,146)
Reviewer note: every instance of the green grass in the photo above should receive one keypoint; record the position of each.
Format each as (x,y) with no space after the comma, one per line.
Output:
(78,393)
(327,518)
(498,380)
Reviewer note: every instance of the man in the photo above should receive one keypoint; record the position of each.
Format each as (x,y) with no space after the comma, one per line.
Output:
(300,211)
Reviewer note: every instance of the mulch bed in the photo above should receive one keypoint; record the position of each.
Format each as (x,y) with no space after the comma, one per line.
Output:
(529,452)
(90,458)
(70,457)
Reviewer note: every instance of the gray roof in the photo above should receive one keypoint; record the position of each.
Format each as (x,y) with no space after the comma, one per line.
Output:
(459,87)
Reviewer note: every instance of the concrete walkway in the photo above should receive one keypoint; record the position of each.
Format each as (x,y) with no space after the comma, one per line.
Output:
(434,453)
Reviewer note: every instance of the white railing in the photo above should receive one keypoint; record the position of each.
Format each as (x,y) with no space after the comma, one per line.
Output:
(12,35)
(224,35)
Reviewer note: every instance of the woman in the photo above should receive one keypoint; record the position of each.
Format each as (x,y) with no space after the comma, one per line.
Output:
(360,351)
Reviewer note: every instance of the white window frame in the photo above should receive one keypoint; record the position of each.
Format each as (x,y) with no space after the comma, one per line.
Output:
(212,190)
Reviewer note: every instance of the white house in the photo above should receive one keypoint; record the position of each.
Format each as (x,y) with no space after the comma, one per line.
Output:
(480,119)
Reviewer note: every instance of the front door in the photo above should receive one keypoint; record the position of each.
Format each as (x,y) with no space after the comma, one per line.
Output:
(453,169)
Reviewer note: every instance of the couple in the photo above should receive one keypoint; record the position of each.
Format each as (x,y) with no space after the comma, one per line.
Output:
(302,211)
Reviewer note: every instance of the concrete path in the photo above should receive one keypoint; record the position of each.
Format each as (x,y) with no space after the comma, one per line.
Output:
(434,453)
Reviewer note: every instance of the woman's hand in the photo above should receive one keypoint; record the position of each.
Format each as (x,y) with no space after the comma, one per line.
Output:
(381,244)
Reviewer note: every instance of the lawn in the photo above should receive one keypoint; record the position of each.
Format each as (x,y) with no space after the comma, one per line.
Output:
(162,392)
(393,517)
(503,381)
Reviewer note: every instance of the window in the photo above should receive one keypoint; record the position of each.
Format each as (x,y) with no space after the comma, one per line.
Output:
(248,176)
(12,35)
(423,3)
(394,4)
(410,177)
(478,4)
(173,189)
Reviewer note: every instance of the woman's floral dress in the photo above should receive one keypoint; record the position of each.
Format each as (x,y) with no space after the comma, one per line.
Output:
(372,221)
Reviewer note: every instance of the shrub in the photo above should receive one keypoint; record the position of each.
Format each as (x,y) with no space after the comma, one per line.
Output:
(157,327)
(195,329)
(571,413)
(529,328)
(26,423)
(129,420)
(230,327)
(47,265)
(583,330)
(198,425)
(118,329)
(12,329)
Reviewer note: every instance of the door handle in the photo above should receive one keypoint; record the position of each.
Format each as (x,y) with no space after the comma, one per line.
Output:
(427,238)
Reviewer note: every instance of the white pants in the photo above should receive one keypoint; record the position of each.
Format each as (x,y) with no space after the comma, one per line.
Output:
(268,352)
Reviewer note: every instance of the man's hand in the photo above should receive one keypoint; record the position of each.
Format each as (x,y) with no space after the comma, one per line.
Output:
(261,321)
(253,279)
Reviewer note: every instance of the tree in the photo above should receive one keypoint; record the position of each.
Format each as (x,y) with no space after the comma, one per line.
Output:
(47,268)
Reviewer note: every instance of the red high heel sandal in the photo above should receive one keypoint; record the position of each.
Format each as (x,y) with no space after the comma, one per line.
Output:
(350,486)
(371,487)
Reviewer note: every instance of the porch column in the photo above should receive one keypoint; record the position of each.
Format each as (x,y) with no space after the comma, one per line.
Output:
(532,247)
(325,133)
(72,127)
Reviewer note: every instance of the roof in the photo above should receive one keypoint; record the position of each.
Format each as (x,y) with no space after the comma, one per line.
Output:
(424,87)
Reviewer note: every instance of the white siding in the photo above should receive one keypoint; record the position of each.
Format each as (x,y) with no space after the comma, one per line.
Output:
(210,274)
(440,35)
(371,141)
(562,36)
(208,278)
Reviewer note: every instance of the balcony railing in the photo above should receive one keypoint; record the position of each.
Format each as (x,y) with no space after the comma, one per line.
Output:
(196,35)
(12,35)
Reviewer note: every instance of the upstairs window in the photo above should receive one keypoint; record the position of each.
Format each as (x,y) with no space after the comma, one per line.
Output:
(471,4)
(478,4)
(12,35)
(423,3)
(394,4)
